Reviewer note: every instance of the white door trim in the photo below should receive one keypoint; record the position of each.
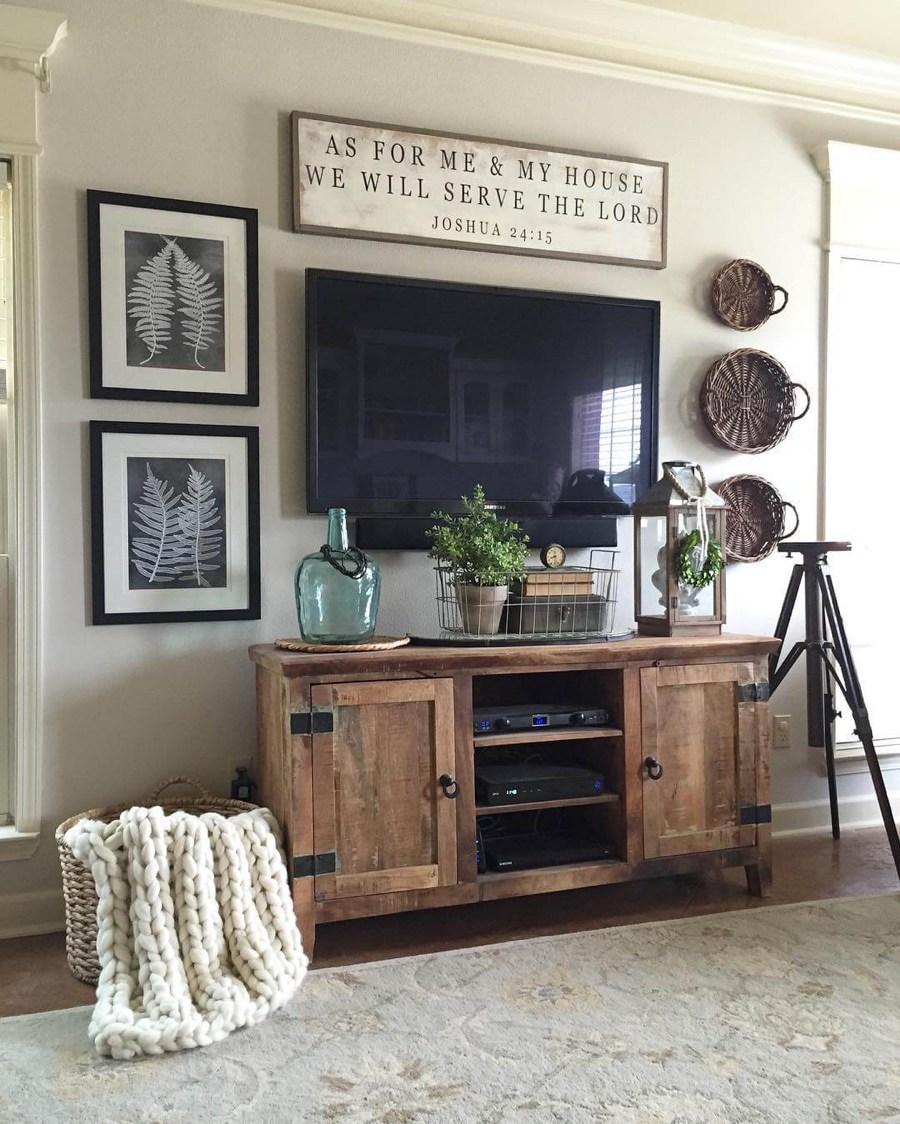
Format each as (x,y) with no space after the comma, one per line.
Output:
(27,38)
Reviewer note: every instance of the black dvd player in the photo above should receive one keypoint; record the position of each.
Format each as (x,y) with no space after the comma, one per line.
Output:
(528,784)
(543,848)
(508,719)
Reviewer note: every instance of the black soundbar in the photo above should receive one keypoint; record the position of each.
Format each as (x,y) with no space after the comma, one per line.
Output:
(407,532)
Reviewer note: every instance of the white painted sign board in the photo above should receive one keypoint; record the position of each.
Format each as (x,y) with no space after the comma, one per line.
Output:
(363,180)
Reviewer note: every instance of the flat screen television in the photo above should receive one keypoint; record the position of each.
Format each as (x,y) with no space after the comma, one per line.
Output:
(418,390)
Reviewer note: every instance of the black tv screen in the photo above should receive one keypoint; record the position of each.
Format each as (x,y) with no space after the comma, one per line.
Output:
(419,390)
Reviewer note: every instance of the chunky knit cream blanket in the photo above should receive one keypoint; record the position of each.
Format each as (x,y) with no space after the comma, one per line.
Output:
(197,934)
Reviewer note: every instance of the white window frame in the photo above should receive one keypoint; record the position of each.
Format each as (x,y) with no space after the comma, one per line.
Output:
(27,38)
(5,539)
(20,839)
(863,185)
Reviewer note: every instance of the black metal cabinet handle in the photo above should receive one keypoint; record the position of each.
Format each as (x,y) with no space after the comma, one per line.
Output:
(653,767)
(449,785)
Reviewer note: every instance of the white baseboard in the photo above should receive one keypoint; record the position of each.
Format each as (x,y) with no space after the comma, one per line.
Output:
(32,913)
(813,817)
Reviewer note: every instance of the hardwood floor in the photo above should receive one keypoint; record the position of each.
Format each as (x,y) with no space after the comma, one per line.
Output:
(34,975)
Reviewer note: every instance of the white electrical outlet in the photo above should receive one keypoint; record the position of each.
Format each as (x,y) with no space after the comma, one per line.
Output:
(782,731)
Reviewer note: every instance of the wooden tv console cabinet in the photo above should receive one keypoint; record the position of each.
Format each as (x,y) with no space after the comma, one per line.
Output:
(352,749)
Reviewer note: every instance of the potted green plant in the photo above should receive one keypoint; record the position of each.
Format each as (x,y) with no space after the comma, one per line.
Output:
(481,554)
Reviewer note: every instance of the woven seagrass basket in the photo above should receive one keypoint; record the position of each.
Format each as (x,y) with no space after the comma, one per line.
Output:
(748,402)
(755,524)
(743,295)
(79,890)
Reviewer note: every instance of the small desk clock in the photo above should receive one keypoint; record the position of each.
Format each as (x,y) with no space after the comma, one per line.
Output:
(553,556)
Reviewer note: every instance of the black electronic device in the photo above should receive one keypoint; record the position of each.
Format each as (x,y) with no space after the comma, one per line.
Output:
(542,848)
(509,719)
(531,783)
(419,389)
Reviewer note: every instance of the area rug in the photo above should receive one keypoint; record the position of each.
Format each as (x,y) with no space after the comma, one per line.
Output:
(787,1014)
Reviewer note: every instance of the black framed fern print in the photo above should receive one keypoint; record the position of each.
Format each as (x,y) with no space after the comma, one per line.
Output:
(174,305)
(175,522)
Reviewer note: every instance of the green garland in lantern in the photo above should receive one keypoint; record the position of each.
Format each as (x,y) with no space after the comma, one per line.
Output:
(687,572)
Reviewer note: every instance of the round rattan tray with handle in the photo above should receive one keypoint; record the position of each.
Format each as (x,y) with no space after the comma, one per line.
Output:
(748,402)
(743,295)
(78,883)
(755,524)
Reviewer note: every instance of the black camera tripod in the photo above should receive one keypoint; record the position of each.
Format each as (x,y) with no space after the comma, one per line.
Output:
(829,661)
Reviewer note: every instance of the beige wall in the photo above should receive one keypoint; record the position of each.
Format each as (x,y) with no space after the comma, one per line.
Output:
(178,100)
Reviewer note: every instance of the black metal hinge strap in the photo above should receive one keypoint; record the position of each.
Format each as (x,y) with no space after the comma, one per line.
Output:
(308,866)
(756,813)
(753,692)
(314,722)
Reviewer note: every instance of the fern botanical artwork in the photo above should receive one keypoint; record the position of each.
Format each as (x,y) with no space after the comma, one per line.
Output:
(174,300)
(175,522)
(173,290)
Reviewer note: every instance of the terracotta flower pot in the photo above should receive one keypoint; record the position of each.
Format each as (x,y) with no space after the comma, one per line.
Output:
(481,607)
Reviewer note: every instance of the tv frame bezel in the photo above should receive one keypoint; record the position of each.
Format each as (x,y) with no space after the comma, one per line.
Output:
(418,508)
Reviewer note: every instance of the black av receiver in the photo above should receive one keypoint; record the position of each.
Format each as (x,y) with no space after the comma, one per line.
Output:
(539,848)
(509,719)
(532,783)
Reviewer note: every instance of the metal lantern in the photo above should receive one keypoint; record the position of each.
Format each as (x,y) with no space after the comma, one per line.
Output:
(679,541)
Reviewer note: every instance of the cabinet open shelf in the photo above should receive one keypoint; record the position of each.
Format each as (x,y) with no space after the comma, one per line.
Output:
(568,876)
(538,805)
(547,735)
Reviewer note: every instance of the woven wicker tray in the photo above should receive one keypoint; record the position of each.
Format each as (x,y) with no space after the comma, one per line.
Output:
(376,644)
(755,524)
(748,402)
(743,295)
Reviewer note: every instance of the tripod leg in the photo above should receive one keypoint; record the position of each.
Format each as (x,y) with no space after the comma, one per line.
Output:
(776,679)
(853,694)
(784,617)
(829,767)
(828,733)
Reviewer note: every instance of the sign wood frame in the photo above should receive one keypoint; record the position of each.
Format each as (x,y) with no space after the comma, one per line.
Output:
(391,183)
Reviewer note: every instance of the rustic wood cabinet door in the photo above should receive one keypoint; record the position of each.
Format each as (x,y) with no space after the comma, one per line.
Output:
(703,728)
(382,820)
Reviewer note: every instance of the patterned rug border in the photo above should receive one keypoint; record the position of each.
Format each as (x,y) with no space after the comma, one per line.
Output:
(371,965)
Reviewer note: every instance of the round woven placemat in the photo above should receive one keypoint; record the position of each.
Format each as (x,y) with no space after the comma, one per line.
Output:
(755,522)
(376,644)
(747,401)
(743,295)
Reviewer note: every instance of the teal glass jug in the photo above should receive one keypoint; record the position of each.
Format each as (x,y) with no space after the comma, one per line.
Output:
(337,589)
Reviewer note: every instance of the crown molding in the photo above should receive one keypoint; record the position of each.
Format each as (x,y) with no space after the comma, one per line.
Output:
(617,38)
(29,36)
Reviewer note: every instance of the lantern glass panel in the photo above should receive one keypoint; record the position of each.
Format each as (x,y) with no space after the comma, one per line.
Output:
(653,547)
(694,602)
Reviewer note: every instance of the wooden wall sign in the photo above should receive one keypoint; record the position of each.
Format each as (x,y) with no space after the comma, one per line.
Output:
(362,180)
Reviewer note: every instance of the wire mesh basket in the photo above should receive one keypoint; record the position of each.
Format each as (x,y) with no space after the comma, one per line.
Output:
(574,603)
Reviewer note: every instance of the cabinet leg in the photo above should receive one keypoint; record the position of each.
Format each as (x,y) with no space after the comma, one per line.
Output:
(305,910)
(759,878)
(309,940)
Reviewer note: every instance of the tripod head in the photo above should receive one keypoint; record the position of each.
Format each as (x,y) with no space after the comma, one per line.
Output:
(812,551)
